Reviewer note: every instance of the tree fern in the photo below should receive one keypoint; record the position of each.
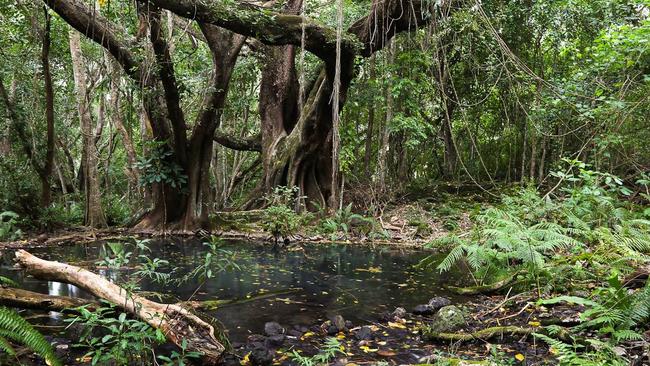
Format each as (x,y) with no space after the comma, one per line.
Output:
(14,327)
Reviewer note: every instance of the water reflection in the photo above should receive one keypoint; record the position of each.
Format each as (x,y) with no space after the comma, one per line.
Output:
(300,286)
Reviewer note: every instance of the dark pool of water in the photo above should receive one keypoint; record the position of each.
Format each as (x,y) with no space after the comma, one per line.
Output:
(301,286)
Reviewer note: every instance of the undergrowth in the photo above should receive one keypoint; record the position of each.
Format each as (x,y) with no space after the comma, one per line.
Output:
(585,231)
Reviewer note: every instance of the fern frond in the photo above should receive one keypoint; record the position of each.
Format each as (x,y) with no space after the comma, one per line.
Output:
(6,347)
(14,327)
(452,258)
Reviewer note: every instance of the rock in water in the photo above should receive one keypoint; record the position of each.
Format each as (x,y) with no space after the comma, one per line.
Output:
(399,313)
(425,309)
(339,323)
(433,306)
(448,319)
(273,328)
(261,357)
(275,341)
(439,302)
(332,330)
(364,333)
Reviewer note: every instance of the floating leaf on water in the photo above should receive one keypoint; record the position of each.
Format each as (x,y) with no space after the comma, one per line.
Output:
(369,269)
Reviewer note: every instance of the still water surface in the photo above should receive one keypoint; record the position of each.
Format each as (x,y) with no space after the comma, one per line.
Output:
(301,286)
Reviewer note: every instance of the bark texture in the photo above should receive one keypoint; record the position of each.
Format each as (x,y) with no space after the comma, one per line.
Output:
(176,322)
(296,144)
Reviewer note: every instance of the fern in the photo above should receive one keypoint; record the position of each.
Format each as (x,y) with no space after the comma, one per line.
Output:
(506,241)
(6,347)
(14,327)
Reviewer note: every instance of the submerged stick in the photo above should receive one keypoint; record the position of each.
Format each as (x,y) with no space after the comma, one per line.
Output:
(19,298)
(177,323)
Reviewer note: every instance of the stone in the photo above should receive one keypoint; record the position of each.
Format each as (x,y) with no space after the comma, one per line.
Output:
(430,308)
(339,323)
(424,309)
(439,302)
(295,333)
(364,333)
(448,319)
(261,357)
(332,330)
(399,313)
(275,341)
(273,328)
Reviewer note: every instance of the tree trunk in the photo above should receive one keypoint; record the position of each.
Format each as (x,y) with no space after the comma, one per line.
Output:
(371,120)
(385,131)
(303,157)
(131,171)
(177,323)
(94,215)
(46,194)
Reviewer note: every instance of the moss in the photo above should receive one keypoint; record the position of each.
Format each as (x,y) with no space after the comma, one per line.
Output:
(244,221)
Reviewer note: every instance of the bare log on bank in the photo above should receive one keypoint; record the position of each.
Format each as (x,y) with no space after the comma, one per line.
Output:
(176,322)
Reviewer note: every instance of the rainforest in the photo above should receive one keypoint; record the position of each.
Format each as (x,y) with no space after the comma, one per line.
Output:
(325,182)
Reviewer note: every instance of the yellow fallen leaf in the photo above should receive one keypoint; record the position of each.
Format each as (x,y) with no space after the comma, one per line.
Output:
(307,335)
(246,360)
(534,324)
(367,349)
(396,325)
(340,336)
(520,357)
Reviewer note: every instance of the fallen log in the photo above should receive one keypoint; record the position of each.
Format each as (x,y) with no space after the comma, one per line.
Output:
(177,323)
(482,334)
(18,298)
(492,332)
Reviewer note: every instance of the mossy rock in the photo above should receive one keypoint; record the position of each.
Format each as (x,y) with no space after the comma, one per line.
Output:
(448,319)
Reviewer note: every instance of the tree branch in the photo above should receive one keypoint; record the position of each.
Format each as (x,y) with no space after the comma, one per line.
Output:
(94,26)
(270,27)
(168,80)
(239,143)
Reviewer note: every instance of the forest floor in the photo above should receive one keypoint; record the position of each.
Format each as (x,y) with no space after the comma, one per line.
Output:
(493,327)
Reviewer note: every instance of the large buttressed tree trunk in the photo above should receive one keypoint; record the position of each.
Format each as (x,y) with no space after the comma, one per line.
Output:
(297,143)
(180,202)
